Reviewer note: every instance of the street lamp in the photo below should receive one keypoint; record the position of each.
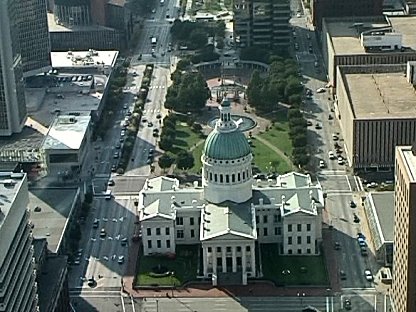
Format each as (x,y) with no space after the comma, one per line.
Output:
(301,296)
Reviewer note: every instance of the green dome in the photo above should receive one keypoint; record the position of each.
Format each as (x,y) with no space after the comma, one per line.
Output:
(226,145)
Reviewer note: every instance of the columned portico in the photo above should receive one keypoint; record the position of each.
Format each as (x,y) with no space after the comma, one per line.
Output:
(242,258)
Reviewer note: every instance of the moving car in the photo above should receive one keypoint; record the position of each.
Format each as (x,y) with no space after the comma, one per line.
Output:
(353,204)
(322,164)
(342,275)
(347,304)
(318,126)
(337,246)
(111,182)
(120,259)
(331,155)
(96,223)
(124,241)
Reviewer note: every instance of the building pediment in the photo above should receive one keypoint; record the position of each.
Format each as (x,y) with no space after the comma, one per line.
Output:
(227,236)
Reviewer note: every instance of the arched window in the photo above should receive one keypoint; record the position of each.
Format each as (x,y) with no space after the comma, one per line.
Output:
(221,178)
(215,178)
(210,176)
(244,175)
(227,178)
(238,177)
(233,178)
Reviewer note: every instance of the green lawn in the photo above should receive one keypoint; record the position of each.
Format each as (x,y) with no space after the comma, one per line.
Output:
(314,272)
(278,135)
(229,4)
(267,160)
(184,265)
(197,153)
(185,138)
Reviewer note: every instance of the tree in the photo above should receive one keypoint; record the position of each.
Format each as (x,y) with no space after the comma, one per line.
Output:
(165,161)
(299,140)
(198,38)
(165,143)
(182,65)
(184,160)
(254,88)
(294,113)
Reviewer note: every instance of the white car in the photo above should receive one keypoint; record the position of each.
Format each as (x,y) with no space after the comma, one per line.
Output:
(298,15)
(368,275)
(321,164)
(331,155)
(340,161)
(120,259)
(320,90)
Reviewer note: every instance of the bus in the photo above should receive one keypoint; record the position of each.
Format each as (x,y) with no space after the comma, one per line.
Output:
(153,40)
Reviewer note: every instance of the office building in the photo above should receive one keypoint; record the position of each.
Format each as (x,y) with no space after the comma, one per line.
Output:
(353,41)
(12,98)
(404,256)
(34,37)
(17,276)
(263,23)
(375,108)
(340,8)
(227,215)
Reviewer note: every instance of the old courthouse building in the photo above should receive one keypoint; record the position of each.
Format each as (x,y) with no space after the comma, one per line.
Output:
(231,213)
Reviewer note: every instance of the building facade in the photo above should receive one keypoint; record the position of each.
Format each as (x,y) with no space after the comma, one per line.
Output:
(34,37)
(17,275)
(12,99)
(263,23)
(375,112)
(404,257)
(229,214)
(341,8)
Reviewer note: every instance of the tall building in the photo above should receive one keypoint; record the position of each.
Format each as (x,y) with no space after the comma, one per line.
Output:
(341,8)
(17,276)
(12,99)
(263,23)
(404,255)
(228,216)
(34,37)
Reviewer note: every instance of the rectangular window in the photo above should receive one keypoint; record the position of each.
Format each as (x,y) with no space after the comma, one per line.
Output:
(279,231)
(264,231)
(179,221)
(299,239)
(167,231)
(289,240)
(308,239)
(191,221)
(218,249)
(289,251)
(279,218)
(159,243)
(264,219)
(299,251)
(308,251)
(289,227)
(192,233)
(149,231)
(179,233)
(308,227)
(168,243)
(299,227)
(149,244)
(275,218)
(248,248)
(228,249)
(157,231)
(275,231)
(257,219)
(238,248)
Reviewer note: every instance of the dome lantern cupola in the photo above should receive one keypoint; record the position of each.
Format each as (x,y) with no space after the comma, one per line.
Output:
(227,161)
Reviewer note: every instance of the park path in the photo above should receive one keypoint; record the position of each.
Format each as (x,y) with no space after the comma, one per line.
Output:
(277,151)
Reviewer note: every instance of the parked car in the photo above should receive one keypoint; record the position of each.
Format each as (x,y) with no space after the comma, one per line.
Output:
(337,246)
(111,182)
(120,259)
(368,275)
(322,164)
(347,304)
(103,233)
(96,223)
(318,126)
(363,251)
(356,219)
(331,155)
(342,275)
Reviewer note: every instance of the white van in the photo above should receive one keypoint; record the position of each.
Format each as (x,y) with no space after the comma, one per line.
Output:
(108,194)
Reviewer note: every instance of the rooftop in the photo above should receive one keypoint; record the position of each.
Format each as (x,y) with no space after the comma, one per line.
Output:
(384,206)
(78,59)
(410,161)
(23,146)
(380,95)
(54,27)
(228,218)
(10,185)
(67,132)
(51,220)
(345,36)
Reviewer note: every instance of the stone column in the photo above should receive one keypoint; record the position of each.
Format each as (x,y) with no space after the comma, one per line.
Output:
(234,258)
(253,260)
(214,260)
(205,259)
(224,260)
(243,259)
